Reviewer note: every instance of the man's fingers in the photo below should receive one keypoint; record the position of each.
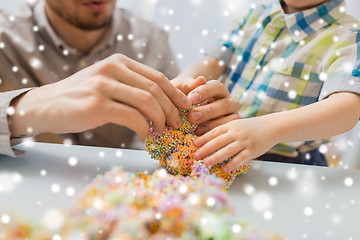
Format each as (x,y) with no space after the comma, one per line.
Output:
(139,99)
(138,81)
(126,116)
(137,67)
(175,95)
(219,108)
(212,89)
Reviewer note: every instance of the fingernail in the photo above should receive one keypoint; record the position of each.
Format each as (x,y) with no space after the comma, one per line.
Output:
(187,102)
(194,97)
(196,115)
(196,143)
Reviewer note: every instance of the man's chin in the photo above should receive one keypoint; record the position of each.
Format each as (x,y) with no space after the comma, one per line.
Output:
(92,27)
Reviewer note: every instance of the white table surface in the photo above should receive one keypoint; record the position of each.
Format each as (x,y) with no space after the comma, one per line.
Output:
(305,203)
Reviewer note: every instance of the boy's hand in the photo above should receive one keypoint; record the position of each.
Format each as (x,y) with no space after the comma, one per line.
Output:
(215,106)
(242,139)
(187,84)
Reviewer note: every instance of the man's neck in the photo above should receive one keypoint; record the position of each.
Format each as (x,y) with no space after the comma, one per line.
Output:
(76,38)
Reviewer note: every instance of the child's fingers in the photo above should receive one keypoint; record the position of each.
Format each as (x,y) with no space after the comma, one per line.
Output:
(212,146)
(225,153)
(188,84)
(212,89)
(198,82)
(214,110)
(237,161)
(210,135)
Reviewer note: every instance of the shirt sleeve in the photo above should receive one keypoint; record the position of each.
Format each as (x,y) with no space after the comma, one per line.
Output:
(343,73)
(5,141)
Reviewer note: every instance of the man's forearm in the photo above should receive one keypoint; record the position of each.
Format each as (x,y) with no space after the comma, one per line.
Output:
(335,115)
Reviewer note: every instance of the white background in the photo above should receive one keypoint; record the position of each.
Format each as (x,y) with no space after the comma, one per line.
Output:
(194,25)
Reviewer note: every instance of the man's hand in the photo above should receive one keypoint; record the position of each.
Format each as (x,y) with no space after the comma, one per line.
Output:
(117,90)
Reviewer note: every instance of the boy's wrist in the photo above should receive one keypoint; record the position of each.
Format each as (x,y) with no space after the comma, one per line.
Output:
(275,127)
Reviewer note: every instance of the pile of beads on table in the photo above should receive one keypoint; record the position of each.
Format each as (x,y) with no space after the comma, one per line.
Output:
(134,206)
(174,149)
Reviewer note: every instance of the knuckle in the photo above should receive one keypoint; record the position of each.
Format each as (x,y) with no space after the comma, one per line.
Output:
(145,97)
(230,105)
(251,143)
(154,89)
(216,131)
(208,110)
(160,77)
(108,67)
(244,155)
(231,135)
(231,148)
(94,103)
(221,89)
(98,84)
(235,103)
(119,57)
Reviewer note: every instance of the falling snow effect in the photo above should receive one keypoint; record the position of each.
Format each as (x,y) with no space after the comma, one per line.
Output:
(73,161)
(55,188)
(335,150)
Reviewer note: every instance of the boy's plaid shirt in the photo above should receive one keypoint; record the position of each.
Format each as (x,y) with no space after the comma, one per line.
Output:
(277,62)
